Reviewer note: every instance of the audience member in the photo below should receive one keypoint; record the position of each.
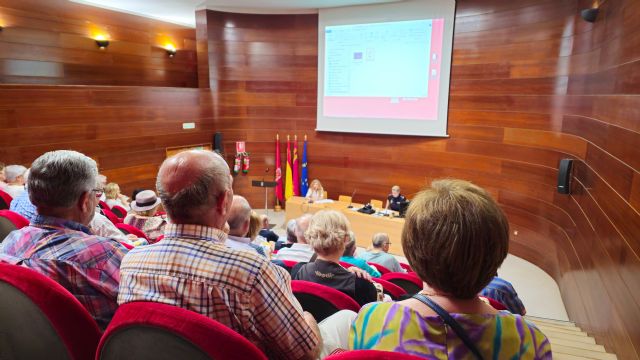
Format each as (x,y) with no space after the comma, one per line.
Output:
(348,257)
(15,178)
(3,178)
(455,237)
(379,253)
(239,223)
(58,242)
(394,199)
(255,223)
(327,233)
(143,215)
(102,184)
(290,238)
(193,269)
(315,192)
(114,197)
(299,251)
(503,292)
(266,231)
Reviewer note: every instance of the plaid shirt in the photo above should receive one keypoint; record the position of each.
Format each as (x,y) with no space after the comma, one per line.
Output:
(67,252)
(193,269)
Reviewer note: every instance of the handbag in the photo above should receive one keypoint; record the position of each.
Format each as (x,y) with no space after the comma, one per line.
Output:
(449,320)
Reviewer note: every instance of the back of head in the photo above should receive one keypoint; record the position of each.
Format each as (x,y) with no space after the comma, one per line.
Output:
(455,237)
(350,246)
(291,231)
(190,183)
(57,179)
(239,216)
(13,172)
(255,224)
(379,240)
(111,191)
(302,224)
(328,232)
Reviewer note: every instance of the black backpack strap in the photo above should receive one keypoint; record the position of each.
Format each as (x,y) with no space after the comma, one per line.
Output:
(449,320)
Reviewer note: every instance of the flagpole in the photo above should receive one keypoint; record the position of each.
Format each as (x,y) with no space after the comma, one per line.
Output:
(278,207)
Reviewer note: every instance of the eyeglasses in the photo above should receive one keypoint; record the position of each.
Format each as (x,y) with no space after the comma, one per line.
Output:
(98,192)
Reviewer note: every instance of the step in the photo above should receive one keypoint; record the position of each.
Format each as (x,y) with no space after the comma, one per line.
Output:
(549,321)
(557,329)
(580,345)
(577,338)
(569,350)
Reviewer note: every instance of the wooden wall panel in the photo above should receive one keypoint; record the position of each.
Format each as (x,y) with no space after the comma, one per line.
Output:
(50,42)
(531,84)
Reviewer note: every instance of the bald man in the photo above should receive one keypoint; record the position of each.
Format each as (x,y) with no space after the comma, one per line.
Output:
(239,220)
(300,251)
(192,268)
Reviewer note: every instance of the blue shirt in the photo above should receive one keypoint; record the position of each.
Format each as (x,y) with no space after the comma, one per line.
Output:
(502,291)
(23,206)
(362,265)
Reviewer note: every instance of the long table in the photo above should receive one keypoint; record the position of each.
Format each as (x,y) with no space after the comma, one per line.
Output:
(364,226)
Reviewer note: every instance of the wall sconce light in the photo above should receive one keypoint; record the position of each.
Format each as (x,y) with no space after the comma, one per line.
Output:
(171,50)
(102,42)
(590,15)
(1,27)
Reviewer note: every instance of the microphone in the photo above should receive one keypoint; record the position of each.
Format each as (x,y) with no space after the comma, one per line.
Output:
(351,202)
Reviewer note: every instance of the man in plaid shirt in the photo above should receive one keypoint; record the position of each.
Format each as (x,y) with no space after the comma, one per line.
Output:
(193,269)
(58,243)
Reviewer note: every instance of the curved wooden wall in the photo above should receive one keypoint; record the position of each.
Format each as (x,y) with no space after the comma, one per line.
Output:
(48,42)
(531,84)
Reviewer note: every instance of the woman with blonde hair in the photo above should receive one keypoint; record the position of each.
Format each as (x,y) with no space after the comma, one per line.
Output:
(455,238)
(143,215)
(316,191)
(114,197)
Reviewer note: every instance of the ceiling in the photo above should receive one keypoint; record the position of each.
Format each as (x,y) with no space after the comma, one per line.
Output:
(182,12)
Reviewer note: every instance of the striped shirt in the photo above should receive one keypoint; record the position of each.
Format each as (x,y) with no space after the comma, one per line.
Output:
(193,269)
(502,291)
(67,252)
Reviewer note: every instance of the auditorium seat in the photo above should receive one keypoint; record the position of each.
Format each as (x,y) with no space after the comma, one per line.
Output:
(495,303)
(119,211)
(155,331)
(128,229)
(345,264)
(377,204)
(344,198)
(10,221)
(390,288)
(321,301)
(111,216)
(289,264)
(406,267)
(41,319)
(5,200)
(381,269)
(371,354)
(411,283)
(103,205)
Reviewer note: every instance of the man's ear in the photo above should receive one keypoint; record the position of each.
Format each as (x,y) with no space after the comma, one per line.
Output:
(84,202)
(223,202)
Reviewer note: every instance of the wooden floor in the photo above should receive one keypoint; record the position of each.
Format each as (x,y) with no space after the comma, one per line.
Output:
(569,341)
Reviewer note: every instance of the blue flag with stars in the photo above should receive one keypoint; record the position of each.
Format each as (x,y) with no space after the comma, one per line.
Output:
(304,178)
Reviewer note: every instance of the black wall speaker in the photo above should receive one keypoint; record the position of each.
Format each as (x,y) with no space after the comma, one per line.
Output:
(564,176)
(217,143)
(589,15)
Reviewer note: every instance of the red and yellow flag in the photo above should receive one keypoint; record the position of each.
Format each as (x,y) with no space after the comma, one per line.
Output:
(288,179)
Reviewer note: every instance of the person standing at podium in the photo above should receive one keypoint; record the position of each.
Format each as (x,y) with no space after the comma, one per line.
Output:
(394,199)
(316,192)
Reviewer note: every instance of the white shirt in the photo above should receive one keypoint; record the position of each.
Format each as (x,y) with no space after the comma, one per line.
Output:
(297,252)
(102,226)
(14,190)
(118,202)
(239,243)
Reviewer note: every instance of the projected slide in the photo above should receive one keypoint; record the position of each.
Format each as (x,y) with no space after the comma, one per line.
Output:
(387,70)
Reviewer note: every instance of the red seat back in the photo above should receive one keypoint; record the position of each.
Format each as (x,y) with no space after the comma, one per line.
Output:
(381,269)
(406,267)
(128,229)
(103,205)
(495,304)
(5,200)
(410,282)
(371,354)
(111,216)
(320,300)
(345,264)
(119,211)
(148,330)
(289,264)
(40,319)
(18,220)
(390,288)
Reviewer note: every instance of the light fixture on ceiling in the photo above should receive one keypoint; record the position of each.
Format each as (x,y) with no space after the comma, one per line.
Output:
(101,41)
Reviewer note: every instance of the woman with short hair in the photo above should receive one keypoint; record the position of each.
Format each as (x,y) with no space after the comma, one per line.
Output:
(455,238)
(114,197)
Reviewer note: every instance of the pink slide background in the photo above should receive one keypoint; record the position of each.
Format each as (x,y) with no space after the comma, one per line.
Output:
(378,107)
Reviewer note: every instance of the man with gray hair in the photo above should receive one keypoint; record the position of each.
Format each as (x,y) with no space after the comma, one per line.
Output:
(58,243)
(299,251)
(192,268)
(15,178)
(239,220)
(379,253)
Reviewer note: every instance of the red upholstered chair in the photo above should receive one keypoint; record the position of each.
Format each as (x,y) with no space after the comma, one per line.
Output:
(111,216)
(495,303)
(406,267)
(410,282)
(345,264)
(10,221)
(154,331)
(128,229)
(289,264)
(39,319)
(390,288)
(321,301)
(5,200)
(371,354)
(103,205)
(119,211)
(383,270)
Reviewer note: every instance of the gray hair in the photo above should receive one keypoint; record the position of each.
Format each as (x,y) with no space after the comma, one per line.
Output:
(12,172)
(328,232)
(58,178)
(379,239)
(291,231)
(240,213)
(302,224)
(190,202)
